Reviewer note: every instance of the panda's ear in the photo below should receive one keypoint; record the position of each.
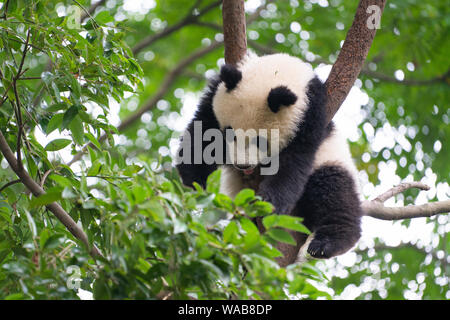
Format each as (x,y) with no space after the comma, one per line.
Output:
(280,96)
(230,76)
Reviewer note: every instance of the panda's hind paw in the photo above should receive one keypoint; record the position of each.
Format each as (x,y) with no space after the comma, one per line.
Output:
(321,249)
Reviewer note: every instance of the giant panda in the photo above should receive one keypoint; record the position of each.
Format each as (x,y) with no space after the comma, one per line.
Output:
(316,178)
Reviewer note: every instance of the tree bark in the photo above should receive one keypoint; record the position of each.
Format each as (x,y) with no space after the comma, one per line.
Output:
(352,56)
(234,30)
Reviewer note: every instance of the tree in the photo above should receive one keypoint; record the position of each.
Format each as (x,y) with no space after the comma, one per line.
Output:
(139,237)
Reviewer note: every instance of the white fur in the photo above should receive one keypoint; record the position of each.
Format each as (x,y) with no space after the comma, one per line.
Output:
(245,107)
(334,150)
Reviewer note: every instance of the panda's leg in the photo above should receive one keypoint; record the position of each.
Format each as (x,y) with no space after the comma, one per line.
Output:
(331,209)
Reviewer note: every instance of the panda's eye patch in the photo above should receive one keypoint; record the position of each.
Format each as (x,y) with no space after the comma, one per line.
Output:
(230,76)
(280,96)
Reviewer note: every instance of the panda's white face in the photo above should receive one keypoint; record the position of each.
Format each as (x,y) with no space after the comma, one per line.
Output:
(268,92)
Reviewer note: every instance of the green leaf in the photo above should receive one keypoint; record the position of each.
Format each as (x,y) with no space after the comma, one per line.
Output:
(57,144)
(92,139)
(95,168)
(62,181)
(293,223)
(244,196)
(54,123)
(103,17)
(285,221)
(281,235)
(76,127)
(45,199)
(69,116)
(230,232)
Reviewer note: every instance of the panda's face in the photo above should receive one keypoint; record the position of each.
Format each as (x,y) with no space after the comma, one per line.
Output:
(263,95)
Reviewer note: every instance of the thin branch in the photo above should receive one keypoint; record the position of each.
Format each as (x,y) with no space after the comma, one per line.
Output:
(412,82)
(44,177)
(190,18)
(19,109)
(5,10)
(352,56)
(89,12)
(9,184)
(37,191)
(401,188)
(30,78)
(24,54)
(9,87)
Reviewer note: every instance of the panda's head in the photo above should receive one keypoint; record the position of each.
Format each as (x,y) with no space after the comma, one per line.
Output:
(268,92)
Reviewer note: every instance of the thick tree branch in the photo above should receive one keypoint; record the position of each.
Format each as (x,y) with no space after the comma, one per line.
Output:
(352,56)
(37,191)
(379,211)
(234,28)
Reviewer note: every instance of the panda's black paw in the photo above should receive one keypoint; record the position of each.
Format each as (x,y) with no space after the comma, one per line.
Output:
(333,240)
(322,248)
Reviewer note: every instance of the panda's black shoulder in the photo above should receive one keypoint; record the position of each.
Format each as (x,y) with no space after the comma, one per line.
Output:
(205,106)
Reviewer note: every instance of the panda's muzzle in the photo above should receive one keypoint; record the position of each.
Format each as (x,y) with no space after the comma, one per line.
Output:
(247,169)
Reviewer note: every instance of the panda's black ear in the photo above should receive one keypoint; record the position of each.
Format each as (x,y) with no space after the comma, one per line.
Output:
(230,76)
(280,96)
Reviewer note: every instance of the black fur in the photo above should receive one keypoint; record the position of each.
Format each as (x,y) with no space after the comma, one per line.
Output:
(230,76)
(330,207)
(199,172)
(280,96)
